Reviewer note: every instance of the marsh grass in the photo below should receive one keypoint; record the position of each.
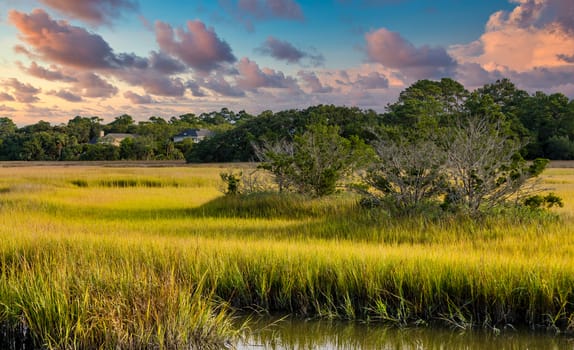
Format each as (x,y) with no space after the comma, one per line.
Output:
(138,267)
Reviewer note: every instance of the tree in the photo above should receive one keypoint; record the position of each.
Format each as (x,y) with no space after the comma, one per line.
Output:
(7,127)
(316,161)
(409,173)
(547,117)
(484,166)
(426,106)
(84,129)
(277,158)
(122,124)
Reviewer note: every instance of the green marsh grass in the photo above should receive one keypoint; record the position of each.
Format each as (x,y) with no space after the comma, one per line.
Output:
(167,266)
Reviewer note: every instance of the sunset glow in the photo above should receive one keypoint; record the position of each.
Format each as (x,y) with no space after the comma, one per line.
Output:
(62,58)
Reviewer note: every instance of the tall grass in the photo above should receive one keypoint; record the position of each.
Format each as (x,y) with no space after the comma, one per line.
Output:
(165,266)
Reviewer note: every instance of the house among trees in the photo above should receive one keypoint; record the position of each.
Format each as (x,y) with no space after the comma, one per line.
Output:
(113,138)
(196,135)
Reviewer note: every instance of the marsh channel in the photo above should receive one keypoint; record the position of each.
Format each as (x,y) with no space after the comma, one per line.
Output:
(297,334)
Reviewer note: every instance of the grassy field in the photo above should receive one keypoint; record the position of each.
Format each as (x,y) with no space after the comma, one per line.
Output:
(156,257)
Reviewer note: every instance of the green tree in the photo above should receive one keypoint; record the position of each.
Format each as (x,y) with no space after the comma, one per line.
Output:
(84,129)
(425,107)
(484,166)
(7,127)
(407,172)
(316,162)
(547,117)
(122,124)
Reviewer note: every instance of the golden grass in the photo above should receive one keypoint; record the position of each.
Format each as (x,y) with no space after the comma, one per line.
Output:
(95,265)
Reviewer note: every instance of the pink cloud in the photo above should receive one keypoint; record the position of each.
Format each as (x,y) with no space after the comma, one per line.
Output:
(138,99)
(285,51)
(93,86)
(92,11)
(473,75)
(373,80)
(51,75)
(60,42)
(393,51)
(153,82)
(535,14)
(166,64)
(198,46)
(219,85)
(66,95)
(23,92)
(4,108)
(70,46)
(6,97)
(253,78)
(566,58)
(313,83)
(533,35)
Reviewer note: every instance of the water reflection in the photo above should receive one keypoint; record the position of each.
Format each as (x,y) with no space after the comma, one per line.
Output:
(315,335)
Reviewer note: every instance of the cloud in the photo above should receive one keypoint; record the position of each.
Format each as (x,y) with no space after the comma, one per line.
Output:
(313,83)
(393,51)
(367,80)
(373,2)
(198,47)
(95,12)
(473,75)
(566,58)
(138,99)
(166,64)
(534,34)
(66,95)
(372,81)
(523,16)
(4,108)
(266,9)
(6,97)
(23,92)
(60,42)
(51,75)
(248,11)
(154,82)
(285,51)
(539,14)
(219,85)
(93,86)
(543,78)
(252,77)
(195,89)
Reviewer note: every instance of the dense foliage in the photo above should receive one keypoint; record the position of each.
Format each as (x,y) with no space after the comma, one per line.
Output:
(544,123)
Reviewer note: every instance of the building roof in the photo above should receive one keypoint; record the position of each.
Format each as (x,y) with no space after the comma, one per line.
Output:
(194,133)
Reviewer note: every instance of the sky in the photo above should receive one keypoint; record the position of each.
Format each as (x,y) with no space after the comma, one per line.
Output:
(105,58)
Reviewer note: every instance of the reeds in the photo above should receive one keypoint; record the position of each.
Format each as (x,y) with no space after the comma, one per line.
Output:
(166,266)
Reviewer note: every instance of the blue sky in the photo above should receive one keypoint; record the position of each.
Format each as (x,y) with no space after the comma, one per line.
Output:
(62,58)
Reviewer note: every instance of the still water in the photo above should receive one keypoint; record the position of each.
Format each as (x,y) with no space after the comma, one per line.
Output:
(313,335)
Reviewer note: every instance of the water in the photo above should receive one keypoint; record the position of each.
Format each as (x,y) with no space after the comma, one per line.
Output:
(296,334)
(322,335)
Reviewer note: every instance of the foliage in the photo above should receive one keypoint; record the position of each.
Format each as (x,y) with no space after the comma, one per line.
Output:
(548,201)
(232,182)
(315,162)
(473,166)
(409,173)
(485,168)
(240,143)
(543,122)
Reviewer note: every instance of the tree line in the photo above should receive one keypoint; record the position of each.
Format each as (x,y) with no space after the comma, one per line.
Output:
(542,124)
